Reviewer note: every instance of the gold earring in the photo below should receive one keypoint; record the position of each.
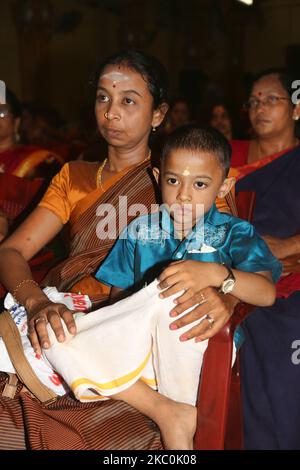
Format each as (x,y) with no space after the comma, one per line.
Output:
(296,118)
(106,115)
(17,137)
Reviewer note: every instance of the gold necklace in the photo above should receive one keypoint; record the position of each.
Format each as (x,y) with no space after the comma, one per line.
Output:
(101,168)
(99,174)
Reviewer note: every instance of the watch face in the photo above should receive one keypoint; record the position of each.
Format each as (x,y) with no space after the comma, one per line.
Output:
(228,286)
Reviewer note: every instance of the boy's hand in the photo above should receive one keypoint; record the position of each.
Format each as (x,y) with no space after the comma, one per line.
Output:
(218,306)
(189,276)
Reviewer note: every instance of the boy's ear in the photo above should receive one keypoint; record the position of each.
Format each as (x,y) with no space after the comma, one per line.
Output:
(159,114)
(226,187)
(156,172)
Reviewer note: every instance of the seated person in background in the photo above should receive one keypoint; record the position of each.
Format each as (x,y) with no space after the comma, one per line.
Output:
(220,118)
(229,256)
(271,168)
(179,114)
(22,160)
(43,125)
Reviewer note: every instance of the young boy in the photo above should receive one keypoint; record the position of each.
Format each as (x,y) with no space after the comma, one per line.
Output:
(209,249)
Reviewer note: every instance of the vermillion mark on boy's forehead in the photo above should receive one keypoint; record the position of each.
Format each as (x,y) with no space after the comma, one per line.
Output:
(115,77)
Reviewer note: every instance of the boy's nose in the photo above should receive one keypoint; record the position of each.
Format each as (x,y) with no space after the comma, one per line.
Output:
(184,195)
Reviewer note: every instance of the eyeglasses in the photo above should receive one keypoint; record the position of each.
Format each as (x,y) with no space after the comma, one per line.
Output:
(4,111)
(269,101)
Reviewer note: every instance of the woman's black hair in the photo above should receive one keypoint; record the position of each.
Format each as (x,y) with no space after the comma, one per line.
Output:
(13,103)
(193,138)
(284,76)
(150,68)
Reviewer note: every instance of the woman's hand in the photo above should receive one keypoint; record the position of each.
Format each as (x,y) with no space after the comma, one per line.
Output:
(44,312)
(208,301)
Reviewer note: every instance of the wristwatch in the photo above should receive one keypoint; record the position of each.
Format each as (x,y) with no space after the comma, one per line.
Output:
(228,283)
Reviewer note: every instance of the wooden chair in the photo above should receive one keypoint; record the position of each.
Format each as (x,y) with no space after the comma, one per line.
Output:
(219,421)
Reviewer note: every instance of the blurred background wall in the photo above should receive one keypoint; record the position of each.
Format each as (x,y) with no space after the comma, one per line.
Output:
(50,48)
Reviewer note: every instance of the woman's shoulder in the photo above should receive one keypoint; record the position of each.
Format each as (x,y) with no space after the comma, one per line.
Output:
(240,150)
(82,170)
(81,165)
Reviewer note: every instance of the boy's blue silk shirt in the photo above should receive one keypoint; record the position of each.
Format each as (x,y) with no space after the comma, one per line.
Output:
(148,245)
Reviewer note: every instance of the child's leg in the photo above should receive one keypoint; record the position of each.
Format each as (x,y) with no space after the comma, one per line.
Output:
(177,421)
(177,363)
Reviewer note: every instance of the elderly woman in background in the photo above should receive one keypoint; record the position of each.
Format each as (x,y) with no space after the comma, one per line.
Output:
(271,375)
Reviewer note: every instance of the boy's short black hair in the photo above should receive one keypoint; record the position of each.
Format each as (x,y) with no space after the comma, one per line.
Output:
(194,138)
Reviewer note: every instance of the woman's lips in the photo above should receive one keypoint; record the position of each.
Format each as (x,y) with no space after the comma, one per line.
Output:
(112,132)
(263,121)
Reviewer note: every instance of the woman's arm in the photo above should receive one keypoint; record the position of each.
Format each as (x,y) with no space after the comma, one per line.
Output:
(283,247)
(35,232)
(116,293)
(3,226)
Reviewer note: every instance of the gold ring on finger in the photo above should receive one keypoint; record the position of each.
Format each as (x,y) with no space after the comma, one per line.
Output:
(40,319)
(210,320)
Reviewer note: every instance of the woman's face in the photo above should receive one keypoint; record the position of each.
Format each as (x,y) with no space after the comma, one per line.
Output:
(220,120)
(8,125)
(124,107)
(270,116)
(179,114)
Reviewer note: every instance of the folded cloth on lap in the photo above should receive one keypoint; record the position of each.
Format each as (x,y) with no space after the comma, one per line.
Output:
(117,345)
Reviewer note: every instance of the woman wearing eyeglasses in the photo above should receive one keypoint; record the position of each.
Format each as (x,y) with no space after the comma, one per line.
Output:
(270,370)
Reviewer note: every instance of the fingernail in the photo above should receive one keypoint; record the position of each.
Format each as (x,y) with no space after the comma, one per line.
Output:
(60,338)
(72,329)
(183,338)
(198,340)
(173,326)
(173,313)
(45,345)
(161,296)
(175,301)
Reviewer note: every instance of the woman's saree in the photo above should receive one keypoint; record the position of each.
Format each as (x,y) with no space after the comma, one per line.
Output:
(270,368)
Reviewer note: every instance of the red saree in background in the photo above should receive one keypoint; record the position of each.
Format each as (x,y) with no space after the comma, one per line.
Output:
(22,160)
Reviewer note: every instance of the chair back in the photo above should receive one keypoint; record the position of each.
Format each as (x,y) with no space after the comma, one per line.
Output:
(219,420)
